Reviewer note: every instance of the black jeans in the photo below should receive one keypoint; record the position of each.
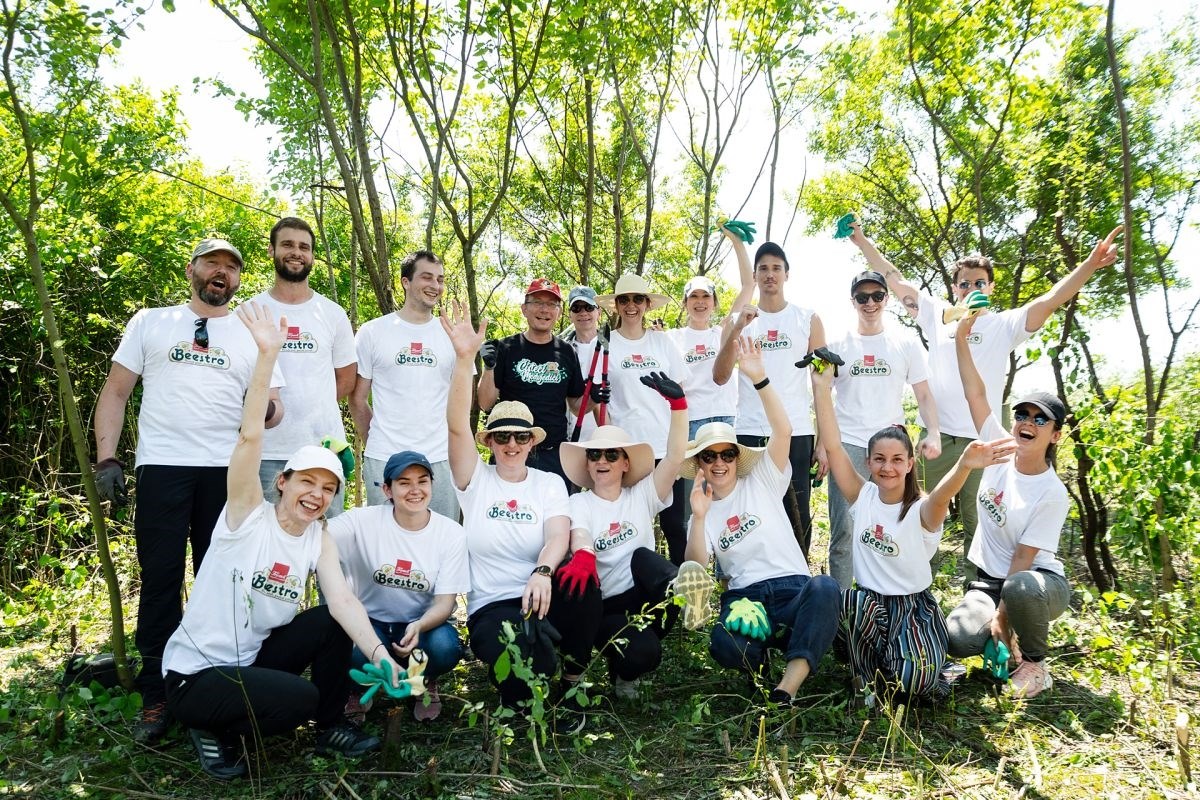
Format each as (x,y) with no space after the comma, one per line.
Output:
(796,501)
(641,650)
(672,523)
(270,697)
(175,505)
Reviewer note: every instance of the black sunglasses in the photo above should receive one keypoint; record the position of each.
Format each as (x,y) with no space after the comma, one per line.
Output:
(638,299)
(709,456)
(503,437)
(1039,419)
(200,337)
(580,308)
(611,455)
(979,284)
(862,297)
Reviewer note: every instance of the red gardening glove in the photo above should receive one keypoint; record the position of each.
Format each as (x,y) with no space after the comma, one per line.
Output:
(578,573)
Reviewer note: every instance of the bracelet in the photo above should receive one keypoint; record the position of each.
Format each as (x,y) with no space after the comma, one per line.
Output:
(762,384)
(381,644)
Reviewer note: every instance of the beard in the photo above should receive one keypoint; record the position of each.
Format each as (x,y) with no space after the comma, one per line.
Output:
(212,295)
(288,274)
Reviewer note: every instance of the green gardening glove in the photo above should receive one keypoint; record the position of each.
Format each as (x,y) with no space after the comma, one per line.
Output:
(377,678)
(995,659)
(843,227)
(744,230)
(969,306)
(345,454)
(749,618)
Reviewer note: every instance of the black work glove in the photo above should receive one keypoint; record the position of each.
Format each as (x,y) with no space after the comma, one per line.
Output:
(821,358)
(661,383)
(600,393)
(110,482)
(488,353)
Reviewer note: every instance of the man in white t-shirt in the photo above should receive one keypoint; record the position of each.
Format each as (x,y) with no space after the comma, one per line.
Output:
(404,364)
(869,395)
(195,361)
(994,336)
(317,359)
(786,332)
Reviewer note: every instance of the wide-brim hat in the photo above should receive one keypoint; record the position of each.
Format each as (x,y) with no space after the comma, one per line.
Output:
(573,456)
(631,283)
(510,415)
(719,433)
(311,456)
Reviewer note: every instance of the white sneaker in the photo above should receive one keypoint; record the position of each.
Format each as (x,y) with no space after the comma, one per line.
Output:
(694,585)
(1030,679)
(626,690)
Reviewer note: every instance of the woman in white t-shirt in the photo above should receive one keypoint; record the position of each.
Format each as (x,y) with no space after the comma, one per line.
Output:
(1020,585)
(612,532)
(232,668)
(634,351)
(407,564)
(772,601)
(893,628)
(517,522)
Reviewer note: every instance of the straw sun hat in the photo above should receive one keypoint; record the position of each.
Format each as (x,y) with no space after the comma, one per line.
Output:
(513,416)
(573,456)
(719,433)
(631,283)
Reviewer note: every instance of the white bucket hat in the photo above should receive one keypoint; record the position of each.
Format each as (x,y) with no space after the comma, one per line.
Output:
(631,283)
(573,456)
(719,433)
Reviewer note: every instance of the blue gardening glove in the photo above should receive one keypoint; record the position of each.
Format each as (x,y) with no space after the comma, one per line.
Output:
(345,454)
(843,227)
(110,482)
(749,618)
(995,659)
(669,389)
(488,354)
(600,393)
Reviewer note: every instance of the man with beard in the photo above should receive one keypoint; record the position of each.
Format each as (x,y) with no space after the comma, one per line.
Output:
(195,361)
(317,359)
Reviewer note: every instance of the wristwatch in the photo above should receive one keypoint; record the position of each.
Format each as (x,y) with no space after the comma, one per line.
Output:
(542,569)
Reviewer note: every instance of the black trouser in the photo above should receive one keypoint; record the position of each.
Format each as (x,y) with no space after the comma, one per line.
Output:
(575,617)
(796,500)
(270,697)
(672,523)
(545,457)
(641,650)
(174,505)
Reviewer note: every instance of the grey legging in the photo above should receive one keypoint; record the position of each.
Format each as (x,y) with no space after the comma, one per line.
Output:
(1032,598)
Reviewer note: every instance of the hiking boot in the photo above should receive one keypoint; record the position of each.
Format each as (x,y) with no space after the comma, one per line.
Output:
(219,759)
(1030,679)
(346,739)
(427,707)
(694,585)
(152,726)
(626,690)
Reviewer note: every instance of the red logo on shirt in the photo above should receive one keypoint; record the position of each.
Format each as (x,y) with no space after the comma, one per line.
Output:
(512,505)
(637,359)
(293,334)
(414,349)
(772,336)
(879,535)
(869,361)
(999,498)
(403,568)
(279,572)
(733,523)
(701,348)
(614,528)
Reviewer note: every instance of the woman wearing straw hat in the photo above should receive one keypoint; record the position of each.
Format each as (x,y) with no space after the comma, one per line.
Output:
(635,351)
(517,522)
(738,516)
(232,668)
(612,535)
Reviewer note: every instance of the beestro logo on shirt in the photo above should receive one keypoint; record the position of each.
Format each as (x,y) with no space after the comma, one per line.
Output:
(512,511)
(539,374)
(278,582)
(401,575)
(699,353)
(993,503)
(416,355)
(617,534)
(189,353)
(299,341)
(774,340)
(639,361)
(880,541)
(736,529)
(870,365)
(975,337)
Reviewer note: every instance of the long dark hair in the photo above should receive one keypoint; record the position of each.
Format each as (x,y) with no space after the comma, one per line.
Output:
(912,490)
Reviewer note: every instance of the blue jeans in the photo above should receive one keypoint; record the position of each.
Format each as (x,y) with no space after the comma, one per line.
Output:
(803,612)
(695,425)
(442,645)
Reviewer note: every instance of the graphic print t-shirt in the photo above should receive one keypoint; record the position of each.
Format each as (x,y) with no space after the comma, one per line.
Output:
(542,376)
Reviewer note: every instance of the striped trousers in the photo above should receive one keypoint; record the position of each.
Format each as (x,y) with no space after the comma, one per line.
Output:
(898,640)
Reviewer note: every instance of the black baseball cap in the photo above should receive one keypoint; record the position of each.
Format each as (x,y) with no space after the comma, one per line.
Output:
(869,276)
(1048,403)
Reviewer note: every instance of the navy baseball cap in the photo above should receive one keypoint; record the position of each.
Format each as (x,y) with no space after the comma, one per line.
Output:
(402,461)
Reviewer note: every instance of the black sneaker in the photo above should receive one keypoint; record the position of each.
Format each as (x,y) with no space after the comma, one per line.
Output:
(780,698)
(152,726)
(346,739)
(569,713)
(220,760)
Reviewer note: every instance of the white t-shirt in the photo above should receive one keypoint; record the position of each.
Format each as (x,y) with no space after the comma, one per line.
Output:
(994,336)
(749,531)
(191,398)
(617,528)
(584,353)
(396,572)
(1016,509)
(891,556)
(409,367)
(705,398)
(319,340)
(637,408)
(869,390)
(505,524)
(251,582)
(784,338)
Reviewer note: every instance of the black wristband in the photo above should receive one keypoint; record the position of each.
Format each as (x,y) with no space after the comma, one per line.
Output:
(270,410)
(762,383)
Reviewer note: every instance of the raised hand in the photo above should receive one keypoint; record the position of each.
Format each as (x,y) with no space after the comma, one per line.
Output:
(1105,253)
(979,455)
(749,357)
(748,314)
(456,322)
(702,496)
(847,225)
(268,336)
(669,389)
(736,229)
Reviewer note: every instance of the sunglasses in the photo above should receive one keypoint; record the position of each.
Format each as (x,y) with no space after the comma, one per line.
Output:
(611,455)
(581,308)
(709,456)
(503,437)
(636,299)
(979,284)
(1041,420)
(542,303)
(200,337)
(862,297)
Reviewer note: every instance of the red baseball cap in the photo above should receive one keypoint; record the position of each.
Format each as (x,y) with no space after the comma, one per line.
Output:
(544,285)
